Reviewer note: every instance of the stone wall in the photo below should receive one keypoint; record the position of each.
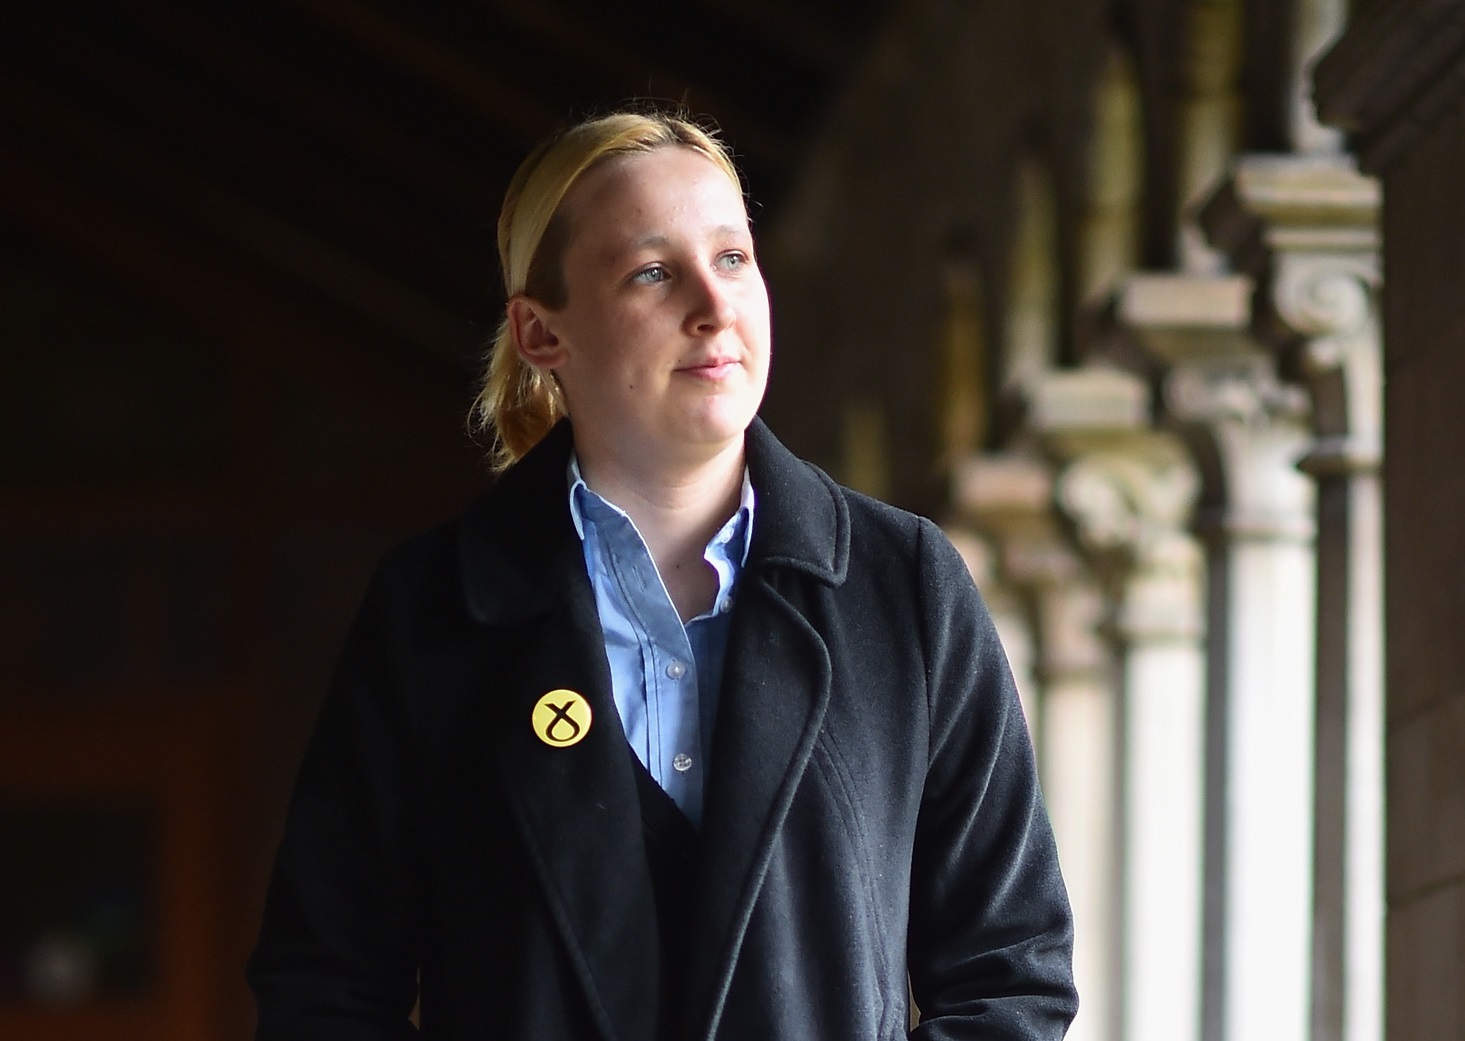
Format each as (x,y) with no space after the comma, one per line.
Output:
(1397,80)
(1424,371)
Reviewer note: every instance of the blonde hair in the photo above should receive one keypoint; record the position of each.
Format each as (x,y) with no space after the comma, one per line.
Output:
(518,403)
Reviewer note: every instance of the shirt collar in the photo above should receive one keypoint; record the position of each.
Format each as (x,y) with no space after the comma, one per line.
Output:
(739,525)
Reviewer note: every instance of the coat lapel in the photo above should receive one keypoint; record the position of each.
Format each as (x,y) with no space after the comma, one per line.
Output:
(580,816)
(576,806)
(775,690)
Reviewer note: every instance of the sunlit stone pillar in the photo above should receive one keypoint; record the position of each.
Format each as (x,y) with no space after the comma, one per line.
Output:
(1130,492)
(1010,496)
(1080,768)
(1246,431)
(1307,227)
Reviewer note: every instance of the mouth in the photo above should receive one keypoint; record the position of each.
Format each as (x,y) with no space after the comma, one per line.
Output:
(711,369)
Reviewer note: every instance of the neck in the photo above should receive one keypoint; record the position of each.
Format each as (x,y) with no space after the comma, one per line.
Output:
(677,510)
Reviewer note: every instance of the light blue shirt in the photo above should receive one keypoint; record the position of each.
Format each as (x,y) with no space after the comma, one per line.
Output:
(665,676)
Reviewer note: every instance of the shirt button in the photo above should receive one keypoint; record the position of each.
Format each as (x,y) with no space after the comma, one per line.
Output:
(681,762)
(676,670)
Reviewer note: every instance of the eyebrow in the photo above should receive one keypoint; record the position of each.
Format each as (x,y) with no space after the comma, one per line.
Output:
(651,241)
(648,241)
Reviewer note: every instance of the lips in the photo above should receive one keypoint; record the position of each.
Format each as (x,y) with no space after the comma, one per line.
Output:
(711,368)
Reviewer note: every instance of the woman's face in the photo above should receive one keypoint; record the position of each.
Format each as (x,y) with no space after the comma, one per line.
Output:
(662,347)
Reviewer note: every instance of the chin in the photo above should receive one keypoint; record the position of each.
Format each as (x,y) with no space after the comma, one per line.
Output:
(721,425)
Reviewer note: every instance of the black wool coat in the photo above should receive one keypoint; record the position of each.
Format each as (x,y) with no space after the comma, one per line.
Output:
(872,807)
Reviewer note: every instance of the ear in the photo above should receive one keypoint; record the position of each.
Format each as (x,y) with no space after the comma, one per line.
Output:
(534,339)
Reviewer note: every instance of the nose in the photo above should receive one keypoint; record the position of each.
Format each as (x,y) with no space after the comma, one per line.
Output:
(711,308)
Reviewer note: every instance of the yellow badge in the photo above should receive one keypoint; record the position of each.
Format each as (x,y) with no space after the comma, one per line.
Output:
(561,718)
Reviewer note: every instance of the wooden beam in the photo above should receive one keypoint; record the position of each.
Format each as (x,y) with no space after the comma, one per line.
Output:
(511,108)
(415,156)
(559,30)
(243,224)
(186,112)
(822,44)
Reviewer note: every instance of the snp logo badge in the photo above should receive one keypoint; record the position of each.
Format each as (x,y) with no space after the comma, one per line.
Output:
(561,718)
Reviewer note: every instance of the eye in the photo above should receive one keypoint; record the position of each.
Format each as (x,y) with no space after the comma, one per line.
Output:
(650,276)
(733,260)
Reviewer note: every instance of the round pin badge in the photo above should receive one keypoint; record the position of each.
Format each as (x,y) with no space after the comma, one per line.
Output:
(561,718)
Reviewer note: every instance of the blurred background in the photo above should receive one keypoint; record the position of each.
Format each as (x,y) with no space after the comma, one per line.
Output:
(1098,284)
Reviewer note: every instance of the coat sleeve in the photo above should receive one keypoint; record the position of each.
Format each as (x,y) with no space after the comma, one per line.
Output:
(991,934)
(337,953)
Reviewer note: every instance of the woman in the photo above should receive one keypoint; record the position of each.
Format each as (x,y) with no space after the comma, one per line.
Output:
(669,736)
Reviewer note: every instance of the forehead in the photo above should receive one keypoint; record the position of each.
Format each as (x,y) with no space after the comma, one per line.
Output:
(669,189)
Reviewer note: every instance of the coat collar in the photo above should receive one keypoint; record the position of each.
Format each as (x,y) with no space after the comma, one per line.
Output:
(803,522)
(520,554)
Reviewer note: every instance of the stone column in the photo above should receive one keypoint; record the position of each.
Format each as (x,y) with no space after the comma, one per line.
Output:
(1130,492)
(1307,227)
(1246,431)
(1080,764)
(1010,496)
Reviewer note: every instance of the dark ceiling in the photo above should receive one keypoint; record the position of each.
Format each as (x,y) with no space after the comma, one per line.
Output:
(356,150)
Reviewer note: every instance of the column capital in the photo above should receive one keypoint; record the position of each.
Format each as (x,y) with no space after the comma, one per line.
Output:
(1199,326)
(1074,410)
(1244,391)
(1004,492)
(1324,295)
(1244,426)
(1306,227)
(1132,502)
(1135,497)
(1119,477)
(1275,204)
(1009,497)
(1178,318)
(1130,492)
